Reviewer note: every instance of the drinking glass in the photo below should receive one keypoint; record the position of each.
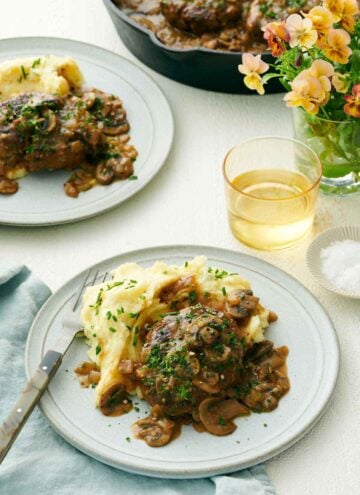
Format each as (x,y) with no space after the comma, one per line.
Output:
(271,188)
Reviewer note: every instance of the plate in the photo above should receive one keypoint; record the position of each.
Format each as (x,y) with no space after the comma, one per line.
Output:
(313,364)
(322,241)
(41,199)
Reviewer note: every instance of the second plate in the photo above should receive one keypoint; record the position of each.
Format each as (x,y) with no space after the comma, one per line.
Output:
(41,199)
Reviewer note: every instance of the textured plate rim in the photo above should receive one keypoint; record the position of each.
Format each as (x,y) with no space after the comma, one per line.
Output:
(199,472)
(313,257)
(167,116)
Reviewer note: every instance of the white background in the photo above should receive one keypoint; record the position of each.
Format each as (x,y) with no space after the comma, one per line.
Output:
(185,204)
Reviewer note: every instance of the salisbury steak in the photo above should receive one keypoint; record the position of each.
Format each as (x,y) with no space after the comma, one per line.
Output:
(201,16)
(85,132)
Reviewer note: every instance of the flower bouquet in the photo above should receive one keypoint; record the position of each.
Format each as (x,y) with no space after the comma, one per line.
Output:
(318,62)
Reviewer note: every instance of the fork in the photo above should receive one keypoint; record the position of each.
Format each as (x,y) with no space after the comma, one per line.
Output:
(36,386)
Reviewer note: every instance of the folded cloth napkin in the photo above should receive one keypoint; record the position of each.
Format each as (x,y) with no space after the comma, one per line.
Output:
(41,462)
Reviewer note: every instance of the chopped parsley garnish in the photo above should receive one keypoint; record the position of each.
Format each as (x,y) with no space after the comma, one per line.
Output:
(183,391)
(134,315)
(136,336)
(23,72)
(108,315)
(112,329)
(36,63)
(220,274)
(133,177)
(99,301)
(128,439)
(114,284)
(97,350)
(186,264)
(192,297)
(223,290)
(120,310)
(222,422)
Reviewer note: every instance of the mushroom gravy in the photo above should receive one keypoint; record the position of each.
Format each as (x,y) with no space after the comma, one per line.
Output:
(197,367)
(229,25)
(85,132)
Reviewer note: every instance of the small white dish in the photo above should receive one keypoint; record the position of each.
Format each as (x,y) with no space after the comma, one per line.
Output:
(351,232)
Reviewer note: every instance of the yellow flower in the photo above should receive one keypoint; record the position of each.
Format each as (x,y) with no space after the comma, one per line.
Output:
(352,106)
(322,70)
(340,82)
(335,7)
(322,20)
(343,11)
(301,31)
(307,92)
(336,48)
(252,67)
(350,11)
(311,88)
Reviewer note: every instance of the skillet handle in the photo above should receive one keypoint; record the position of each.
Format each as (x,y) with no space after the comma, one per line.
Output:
(27,401)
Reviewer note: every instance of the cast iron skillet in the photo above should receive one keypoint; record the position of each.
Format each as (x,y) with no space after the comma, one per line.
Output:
(214,70)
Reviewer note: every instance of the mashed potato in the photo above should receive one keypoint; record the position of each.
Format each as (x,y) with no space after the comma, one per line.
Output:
(45,74)
(113,313)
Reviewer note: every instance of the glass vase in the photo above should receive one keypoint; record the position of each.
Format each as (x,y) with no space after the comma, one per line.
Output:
(338,146)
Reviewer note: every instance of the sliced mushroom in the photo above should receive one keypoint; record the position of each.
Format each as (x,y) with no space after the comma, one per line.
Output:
(114,401)
(241,303)
(217,414)
(117,129)
(51,121)
(71,190)
(8,186)
(93,135)
(265,396)
(260,350)
(218,354)
(104,174)
(126,366)
(123,167)
(90,99)
(208,381)
(208,335)
(155,431)
(272,316)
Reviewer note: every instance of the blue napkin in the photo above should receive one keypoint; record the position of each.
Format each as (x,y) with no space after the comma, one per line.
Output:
(41,462)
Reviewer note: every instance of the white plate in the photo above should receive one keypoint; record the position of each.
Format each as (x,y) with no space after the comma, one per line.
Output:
(41,199)
(322,241)
(313,364)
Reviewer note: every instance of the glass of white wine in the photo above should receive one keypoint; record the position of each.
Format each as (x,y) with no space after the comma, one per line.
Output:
(271,187)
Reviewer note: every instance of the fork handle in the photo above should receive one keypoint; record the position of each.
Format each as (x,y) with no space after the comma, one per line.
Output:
(27,400)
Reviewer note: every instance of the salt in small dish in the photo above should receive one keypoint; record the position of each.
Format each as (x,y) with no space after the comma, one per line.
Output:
(323,241)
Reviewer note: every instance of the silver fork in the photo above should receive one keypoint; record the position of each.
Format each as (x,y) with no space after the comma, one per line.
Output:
(50,363)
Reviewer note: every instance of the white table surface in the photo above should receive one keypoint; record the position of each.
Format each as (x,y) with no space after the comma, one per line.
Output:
(185,204)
